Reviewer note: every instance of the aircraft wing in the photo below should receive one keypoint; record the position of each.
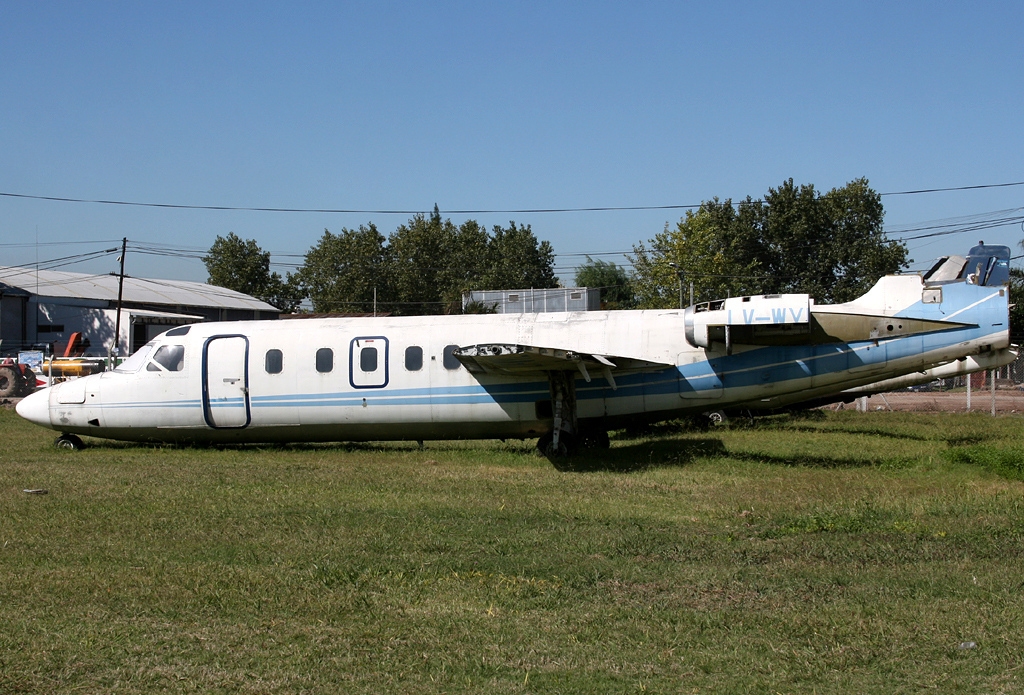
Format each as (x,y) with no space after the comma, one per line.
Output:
(527,360)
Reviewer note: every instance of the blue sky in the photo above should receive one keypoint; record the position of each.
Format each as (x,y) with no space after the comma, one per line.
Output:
(490,106)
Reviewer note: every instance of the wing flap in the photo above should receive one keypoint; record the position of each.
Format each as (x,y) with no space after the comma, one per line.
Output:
(531,361)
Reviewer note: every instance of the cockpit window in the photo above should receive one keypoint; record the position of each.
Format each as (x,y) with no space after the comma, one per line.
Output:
(988,264)
(169,358)
(135,362)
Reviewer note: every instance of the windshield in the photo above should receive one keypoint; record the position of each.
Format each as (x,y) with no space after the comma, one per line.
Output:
(168,358)
(135,362)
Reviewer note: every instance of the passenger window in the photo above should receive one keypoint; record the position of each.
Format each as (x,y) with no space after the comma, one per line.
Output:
(450,361)
(274,362)
(169,358)
(368,359)
(414,358)
(324,360)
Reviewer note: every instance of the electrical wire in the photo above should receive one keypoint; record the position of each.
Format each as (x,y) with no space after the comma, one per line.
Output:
(931,229)
(602,208)
(54,263)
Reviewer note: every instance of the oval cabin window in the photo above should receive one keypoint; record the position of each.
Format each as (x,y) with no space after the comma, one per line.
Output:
(324,360)
(414,358)
(274,362)
(368,359)
(450,361)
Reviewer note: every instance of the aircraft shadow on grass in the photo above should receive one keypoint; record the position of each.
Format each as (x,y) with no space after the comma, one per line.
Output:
(640,456)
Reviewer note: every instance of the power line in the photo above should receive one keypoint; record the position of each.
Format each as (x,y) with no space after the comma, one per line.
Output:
(956,188)
(58,243)
(931,229)
(61,262)
(354,211)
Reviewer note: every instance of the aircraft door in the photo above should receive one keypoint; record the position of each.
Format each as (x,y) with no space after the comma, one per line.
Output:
(368,362)
(226,381)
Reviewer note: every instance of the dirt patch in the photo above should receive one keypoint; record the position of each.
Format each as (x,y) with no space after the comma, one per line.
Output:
(1006,401)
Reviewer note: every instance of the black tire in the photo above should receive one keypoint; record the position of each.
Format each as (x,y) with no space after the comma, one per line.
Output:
(556,452)
(546,446)
(543,443)
(70,442)
(28,382)
(595,439)
(716,418)
(8,382)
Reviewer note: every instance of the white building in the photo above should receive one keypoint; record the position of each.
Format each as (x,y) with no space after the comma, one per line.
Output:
(44,307)
(535,301)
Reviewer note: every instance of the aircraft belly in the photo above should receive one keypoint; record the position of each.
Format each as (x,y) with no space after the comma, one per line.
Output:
(329,432)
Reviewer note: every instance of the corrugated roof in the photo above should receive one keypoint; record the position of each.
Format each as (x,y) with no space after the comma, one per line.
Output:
(60,283)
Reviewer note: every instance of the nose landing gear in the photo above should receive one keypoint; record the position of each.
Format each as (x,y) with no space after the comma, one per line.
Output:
(69,441)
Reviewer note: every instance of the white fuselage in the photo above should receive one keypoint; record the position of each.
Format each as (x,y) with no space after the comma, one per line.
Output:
(340,379)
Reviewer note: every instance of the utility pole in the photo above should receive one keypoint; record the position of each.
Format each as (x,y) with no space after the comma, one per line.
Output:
(120,293)
(679,274)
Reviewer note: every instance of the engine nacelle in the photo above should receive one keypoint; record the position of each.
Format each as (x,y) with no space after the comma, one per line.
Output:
(760,320)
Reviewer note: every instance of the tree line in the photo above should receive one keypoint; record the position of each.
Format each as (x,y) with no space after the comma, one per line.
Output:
(423,267)
(793,239)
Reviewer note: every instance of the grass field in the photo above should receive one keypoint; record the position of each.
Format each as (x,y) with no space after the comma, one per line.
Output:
(878,552)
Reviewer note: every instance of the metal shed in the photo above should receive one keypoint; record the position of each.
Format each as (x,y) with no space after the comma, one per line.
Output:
(44,307)
(536,301)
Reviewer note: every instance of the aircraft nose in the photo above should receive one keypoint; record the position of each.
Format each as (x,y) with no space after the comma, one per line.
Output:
(36,407)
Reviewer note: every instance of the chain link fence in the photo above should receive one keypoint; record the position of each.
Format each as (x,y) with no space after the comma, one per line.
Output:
(997,391)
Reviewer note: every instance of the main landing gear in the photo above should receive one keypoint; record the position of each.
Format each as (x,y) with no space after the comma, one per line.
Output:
(566,435)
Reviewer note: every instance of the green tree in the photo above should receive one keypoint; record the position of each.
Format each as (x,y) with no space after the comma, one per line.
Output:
(466,256)
(417,258)
(343,271)
(697,251)
(830,246)
(424,267)
(516,260)
(433,262)
(1017,305)
(613,281)
(241,265)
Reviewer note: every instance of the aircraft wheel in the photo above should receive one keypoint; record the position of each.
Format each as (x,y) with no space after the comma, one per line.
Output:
(69,441)
(547,448)
(716,418)
(595,439)
(556,452)
(543,443)
(8,382)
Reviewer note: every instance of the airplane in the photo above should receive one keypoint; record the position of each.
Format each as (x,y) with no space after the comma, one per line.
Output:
(566,378)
